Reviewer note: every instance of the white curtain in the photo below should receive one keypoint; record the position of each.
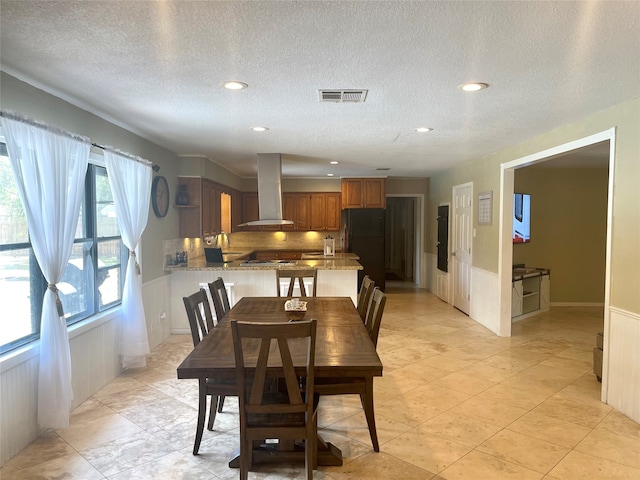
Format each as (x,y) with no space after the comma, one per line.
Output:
(50,167)
(130,181)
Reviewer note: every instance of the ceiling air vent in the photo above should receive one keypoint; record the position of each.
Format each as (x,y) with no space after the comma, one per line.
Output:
(342,96)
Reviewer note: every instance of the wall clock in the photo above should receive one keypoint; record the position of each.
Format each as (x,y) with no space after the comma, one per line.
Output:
(160,196)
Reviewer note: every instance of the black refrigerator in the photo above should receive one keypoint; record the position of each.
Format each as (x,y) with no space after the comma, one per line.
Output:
(365,238)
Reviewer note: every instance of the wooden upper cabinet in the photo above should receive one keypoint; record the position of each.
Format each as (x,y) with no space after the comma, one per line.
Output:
(250,210)
(202,217)
(297,207)
(236,210)
(333,211)
(210,209)
(325,211)
(363,193)
(309,211)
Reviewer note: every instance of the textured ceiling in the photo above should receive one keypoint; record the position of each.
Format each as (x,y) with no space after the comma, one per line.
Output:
(155,67)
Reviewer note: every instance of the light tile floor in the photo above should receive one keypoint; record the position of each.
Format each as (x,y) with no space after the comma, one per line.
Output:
(455,402)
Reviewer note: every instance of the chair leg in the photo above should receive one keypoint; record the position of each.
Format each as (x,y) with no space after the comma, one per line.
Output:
(202,411)
(311,447)
(220,403)
(212,411)
(246,447)
(367,402)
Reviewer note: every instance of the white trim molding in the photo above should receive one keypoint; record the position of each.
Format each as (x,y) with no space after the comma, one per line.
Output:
(622,349)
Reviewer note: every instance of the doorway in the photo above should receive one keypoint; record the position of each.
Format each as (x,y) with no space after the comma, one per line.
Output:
(461,246)
(403,239)
(505,230)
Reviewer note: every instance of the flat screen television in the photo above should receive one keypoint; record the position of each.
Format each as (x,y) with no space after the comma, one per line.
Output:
(521,218)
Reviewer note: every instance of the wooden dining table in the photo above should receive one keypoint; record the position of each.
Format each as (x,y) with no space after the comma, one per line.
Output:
(343,349)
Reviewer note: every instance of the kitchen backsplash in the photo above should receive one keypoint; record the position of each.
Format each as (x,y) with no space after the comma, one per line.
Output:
(194,247)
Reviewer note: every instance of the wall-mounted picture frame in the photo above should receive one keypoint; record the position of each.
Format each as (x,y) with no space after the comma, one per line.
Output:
(485,208)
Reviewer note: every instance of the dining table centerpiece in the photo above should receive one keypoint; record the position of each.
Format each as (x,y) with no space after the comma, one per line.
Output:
(295,309)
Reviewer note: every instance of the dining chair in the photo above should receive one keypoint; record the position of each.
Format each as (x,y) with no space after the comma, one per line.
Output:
(361,386)
(364,296)
(201,323)
(221,306)
(298,275)
(267,414)
(220,298)
(374,314)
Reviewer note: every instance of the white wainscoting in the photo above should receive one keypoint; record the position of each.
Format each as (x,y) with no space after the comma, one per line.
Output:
(157,300)
(622,362)
(485,307)
(442,285)
(19,392)
(94,364)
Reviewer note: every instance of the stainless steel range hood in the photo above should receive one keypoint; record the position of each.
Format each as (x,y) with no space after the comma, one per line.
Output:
(269,191)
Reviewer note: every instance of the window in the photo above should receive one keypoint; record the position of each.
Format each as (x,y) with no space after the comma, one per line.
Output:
(94,277)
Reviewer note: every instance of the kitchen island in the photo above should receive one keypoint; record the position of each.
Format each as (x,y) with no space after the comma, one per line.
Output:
(337,276)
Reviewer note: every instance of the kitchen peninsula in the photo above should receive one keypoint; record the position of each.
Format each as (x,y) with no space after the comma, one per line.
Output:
(337,276)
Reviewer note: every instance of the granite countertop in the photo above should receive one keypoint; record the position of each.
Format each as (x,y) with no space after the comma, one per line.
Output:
(236,260)
(520,273)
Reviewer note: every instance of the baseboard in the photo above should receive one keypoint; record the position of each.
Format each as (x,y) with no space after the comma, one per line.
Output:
(180,331)
(576,304)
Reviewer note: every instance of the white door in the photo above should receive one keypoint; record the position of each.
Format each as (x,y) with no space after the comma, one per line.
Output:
(461,256)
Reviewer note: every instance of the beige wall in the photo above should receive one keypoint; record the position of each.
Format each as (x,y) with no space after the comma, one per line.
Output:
(194,166)
(568,229)
(485,174)
(31,102)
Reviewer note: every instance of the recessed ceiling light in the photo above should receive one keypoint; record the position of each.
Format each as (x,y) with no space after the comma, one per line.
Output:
(423,129)
(234,85)
(473,86)
(334,163)
(259,129)
(329,174)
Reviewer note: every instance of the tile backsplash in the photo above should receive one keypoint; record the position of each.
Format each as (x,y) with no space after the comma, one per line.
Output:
(194,247)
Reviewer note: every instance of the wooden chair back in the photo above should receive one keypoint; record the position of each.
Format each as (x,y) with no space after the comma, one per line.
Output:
(199,315)
(374,314)
(220,298)
(364,296)
(287,414)
(298,275)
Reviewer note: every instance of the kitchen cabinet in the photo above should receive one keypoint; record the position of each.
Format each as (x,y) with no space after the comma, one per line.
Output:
(236,210)
(211,206)
(297,207)
(363,193)
(530,292)
(325,211)
(277,255)
(210,209)
(251,212)
(310,211)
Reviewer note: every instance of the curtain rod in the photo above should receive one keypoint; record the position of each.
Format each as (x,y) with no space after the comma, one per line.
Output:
(135,158)
(11,115)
